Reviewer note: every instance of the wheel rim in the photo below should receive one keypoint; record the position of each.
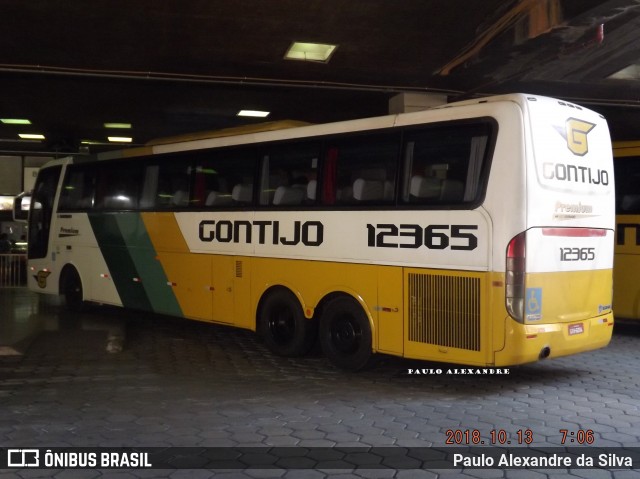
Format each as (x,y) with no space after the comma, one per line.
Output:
(282,326)
(346,334)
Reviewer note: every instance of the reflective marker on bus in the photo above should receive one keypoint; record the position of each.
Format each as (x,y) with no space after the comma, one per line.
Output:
(477,233)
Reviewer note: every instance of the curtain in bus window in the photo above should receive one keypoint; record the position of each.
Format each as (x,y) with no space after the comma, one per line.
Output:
(329,178)
(408,168)
(265,192)
(476,155)
(149,187)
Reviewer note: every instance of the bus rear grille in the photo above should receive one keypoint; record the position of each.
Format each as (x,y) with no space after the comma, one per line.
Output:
(444,310)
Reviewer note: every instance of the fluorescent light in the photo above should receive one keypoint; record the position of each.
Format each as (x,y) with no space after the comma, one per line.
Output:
(15,121)
(31,136)
(253,113)
(123,126)
(120,139)
(311,52)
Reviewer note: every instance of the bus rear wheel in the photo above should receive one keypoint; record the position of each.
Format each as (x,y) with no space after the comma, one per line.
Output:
(283,326)
(345,334)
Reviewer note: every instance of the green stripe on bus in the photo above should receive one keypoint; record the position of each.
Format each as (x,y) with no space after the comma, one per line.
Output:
(116,254)
(150,271)
(130,257)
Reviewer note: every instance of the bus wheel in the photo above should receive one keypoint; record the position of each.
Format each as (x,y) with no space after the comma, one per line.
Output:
(73,293)
(283,326)
(345,334)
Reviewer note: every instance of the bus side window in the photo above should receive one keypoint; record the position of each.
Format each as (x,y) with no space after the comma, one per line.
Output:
(224,179)
(77,189)
(361,170)
(174,185)
(118,186)
(289,175)
(443,165)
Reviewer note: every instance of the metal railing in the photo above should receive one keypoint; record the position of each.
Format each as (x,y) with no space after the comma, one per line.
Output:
(13,270)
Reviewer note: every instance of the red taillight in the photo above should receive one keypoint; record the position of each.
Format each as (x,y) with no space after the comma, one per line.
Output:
(515,275)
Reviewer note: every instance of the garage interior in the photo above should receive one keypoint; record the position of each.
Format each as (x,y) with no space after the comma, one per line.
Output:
(159,69)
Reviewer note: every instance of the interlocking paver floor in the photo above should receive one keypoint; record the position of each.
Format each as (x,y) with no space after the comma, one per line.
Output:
(182,383)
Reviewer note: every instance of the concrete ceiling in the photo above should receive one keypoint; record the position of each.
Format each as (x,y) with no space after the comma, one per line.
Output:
(172,67)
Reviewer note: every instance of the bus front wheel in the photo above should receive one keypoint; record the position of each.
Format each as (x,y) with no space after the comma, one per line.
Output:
(73,294)
(283,326)
(345,334)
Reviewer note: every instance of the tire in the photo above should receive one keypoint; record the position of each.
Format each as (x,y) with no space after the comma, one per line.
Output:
(345,334)
(73,293)
(283,326)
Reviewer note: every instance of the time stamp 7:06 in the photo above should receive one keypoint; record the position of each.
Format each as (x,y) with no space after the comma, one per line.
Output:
(466,437)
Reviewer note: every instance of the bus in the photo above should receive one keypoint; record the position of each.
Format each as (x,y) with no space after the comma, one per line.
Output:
(626,293)
(477,233)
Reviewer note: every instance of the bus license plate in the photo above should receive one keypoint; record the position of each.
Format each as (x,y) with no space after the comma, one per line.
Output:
(576,329)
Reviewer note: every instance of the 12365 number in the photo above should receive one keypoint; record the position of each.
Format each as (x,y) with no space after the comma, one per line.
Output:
(577,254)
(455,237)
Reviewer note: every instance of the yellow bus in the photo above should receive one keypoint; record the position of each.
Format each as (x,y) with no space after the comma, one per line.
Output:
(476,233)
(626,293)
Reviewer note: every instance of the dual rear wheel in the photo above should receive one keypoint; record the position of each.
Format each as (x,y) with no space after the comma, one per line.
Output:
(343,331)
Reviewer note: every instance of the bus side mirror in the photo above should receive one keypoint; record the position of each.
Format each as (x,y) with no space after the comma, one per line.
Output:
(21,204)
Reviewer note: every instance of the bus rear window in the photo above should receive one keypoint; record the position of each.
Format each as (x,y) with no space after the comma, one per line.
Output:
(444,165)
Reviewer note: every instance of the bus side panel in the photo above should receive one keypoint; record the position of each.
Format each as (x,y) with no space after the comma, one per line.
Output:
(203,284)
(626,293)
(448,316)
(76,244)
(390,310)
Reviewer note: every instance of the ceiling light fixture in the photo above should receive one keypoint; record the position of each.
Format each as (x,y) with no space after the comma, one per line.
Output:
(253,113)
(310,52)
(15,121)
(122,126)
(120,139)
(31,136)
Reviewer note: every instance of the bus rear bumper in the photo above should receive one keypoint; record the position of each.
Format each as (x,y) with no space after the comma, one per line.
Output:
(527,343)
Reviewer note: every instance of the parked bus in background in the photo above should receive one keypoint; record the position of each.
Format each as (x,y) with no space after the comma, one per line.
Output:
(478,233)
(626,292)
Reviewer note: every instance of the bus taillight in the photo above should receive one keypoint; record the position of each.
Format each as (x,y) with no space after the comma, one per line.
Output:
(514,276)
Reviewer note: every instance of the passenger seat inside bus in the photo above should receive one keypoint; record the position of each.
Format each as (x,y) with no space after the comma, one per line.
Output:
(422,188)
(242,193)
(288,195)
(180,198)
(312,186)
(372,190)
(216,198)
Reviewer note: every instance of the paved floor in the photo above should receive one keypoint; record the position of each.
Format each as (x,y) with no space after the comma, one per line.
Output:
(188,384)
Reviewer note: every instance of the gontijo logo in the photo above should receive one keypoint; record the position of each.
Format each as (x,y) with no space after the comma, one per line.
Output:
(576,132)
